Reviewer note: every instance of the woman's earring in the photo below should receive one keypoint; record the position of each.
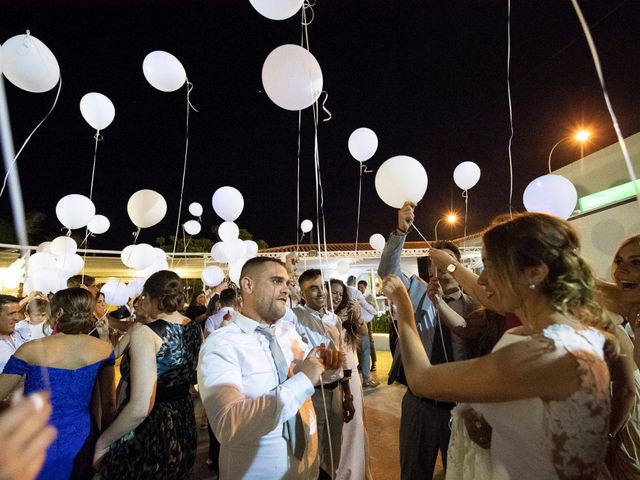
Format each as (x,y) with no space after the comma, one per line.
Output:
(532,286)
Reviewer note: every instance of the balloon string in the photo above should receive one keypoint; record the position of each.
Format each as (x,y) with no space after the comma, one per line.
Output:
(135,235)
(465,195)
(184,172)
(420,233)
(15,159)
(189,89)
(510,106)
(308,5)
(614,119)
(298,185)
(326,97)
(98,137)
(359,200)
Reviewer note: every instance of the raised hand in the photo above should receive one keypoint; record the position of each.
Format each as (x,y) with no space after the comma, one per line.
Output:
(406,216)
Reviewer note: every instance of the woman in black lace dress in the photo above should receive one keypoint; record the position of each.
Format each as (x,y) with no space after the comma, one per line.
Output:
(154,435)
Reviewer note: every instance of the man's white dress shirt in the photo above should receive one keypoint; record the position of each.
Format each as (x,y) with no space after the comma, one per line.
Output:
(247,407)
(216,320)
(8,346)
(368,312)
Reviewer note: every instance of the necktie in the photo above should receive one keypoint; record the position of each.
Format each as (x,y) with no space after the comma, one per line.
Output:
(296,442)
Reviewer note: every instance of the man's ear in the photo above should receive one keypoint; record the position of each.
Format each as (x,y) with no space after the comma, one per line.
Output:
(247,284)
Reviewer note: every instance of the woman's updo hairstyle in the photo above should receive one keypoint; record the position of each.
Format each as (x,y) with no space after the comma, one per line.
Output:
(72,311)
(532,239)
(167,289)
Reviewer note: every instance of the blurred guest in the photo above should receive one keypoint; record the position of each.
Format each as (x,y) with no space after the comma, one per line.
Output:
(197,309)
(364,350)
(228,306)
(10,338)
(362,287)
(38,321)
(154,434)
(68,365)
(84,281)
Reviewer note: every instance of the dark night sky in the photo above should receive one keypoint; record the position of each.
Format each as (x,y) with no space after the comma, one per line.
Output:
(428,77)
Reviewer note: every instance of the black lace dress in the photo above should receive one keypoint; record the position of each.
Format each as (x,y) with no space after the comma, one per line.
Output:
(164,445)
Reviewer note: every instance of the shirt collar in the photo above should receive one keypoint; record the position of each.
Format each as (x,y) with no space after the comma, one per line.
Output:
(248,325)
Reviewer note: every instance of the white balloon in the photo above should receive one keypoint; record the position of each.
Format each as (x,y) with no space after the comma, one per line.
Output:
(29,64)
(235,269)
(343,267)
(146,208)
(75,211)
(70,264)
(156,266)
(228,231)
(227,203)
(44,247)
(135,287)
(0,58)
(164,71)
(47,280)
(212,276)
(252,249)
(292,77)
(116,293)
(218,252)
(138,256)
(466,175)
(401,179)
(363,143)
(552,194)
(377,242)
(63,246)
(277,9)
(98,224)
(97,110)
(235,250)
(41,260)
(195,209)
(306,226)
(192,227)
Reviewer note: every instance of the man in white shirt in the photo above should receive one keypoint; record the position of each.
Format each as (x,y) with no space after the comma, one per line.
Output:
(364,352)
(250,408)
(317,326)
(10,339)
(224,316)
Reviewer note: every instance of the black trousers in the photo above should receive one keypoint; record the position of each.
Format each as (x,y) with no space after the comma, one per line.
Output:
(214,448)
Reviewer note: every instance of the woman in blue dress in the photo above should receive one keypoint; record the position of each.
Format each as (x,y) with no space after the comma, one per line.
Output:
(67,364)
(154,435)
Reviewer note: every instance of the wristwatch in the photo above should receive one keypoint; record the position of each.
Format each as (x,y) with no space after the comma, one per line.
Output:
(451,267)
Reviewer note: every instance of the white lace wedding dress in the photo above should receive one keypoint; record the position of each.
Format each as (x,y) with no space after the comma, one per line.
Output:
(534,439)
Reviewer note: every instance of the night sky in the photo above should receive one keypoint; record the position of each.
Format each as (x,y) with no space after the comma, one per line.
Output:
(428,77)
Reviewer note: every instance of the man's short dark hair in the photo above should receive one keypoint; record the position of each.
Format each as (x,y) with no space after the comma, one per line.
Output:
(351,280)
(308,275)
(77,280)
(449,245)
(7,299)
(252,264)
(228,297)
(363,282)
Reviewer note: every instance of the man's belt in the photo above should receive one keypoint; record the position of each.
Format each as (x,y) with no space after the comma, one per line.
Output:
(329,386)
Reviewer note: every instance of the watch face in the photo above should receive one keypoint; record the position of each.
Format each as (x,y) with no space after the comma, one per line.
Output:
(451,267)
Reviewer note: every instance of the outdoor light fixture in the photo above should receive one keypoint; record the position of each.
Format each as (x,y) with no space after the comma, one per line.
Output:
(581,136)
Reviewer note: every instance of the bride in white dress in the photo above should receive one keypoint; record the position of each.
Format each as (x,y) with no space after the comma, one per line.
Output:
(545,388)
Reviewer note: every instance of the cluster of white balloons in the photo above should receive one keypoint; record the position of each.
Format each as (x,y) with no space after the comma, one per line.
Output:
(144,258)
(552,194)
(29,64)
(53,263)
(116,292)
(401,179)
(77,211)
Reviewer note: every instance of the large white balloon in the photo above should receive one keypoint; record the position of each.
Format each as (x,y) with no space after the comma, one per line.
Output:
(401,179)
(235,269)
(377,242)
(192,227)
(218,252)
(146,208)
(44,247)
(466,175)
(115,292)
(70,264)
(227,203)
(138,256)
(47,280)
(29,64)
(228,231)
(98,224)
(363,143)
(63,246)
(97,110)
(252,249)
(195,209)
(235,250)
(212,276)
(277,9)
(41,260)
(164,71)
(343,267)
(292,77)
(552,194)
(306,226)
(75,211)
(135,287)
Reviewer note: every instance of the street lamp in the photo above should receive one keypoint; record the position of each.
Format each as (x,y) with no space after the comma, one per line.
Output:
(581,137)
(451,218)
